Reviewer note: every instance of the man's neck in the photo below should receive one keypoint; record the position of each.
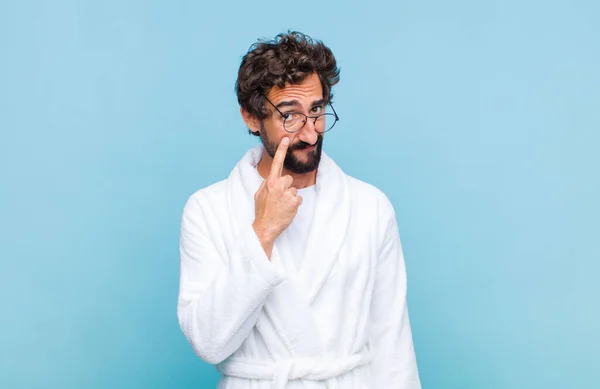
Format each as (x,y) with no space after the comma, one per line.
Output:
(300,180)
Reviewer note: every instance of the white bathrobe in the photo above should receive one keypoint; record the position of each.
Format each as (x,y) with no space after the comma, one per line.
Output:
(338,321)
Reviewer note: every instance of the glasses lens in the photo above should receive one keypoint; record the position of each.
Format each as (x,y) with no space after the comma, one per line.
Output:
(325,123)
(294,122)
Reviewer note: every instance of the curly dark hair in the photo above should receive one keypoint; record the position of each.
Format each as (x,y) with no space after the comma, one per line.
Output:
(289,58)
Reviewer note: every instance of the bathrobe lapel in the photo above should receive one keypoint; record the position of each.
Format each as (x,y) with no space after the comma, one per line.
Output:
(329,227)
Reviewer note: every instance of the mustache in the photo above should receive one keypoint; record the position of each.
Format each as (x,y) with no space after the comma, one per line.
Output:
(301,145)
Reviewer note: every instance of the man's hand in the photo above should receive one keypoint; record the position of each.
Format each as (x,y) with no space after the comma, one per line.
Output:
(276,202)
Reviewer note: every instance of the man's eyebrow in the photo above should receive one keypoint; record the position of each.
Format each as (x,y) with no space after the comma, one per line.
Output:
(296,103)
(291,103)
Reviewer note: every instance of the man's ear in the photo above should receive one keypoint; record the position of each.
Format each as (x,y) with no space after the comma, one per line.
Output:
(251,121)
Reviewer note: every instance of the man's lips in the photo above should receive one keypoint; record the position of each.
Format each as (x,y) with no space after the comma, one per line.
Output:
(309,148)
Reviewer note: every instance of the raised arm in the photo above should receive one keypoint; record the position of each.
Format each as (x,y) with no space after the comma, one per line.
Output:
(222,290)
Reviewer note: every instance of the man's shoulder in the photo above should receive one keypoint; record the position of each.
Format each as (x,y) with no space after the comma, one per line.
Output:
(210,195)
(368,195)
(366,190)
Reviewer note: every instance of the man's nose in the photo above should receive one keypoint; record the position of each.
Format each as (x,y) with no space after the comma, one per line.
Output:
(308,133)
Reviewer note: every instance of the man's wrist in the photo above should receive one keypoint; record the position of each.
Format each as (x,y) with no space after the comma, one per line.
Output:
(264,235)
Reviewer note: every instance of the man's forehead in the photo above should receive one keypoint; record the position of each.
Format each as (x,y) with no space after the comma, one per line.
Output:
(307,91)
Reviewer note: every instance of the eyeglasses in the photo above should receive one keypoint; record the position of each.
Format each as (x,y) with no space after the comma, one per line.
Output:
(295,121)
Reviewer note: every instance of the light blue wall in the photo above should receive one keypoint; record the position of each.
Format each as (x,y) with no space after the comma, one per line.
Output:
(479,119)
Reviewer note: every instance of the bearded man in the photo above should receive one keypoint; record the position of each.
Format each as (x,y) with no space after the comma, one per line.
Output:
(292,272)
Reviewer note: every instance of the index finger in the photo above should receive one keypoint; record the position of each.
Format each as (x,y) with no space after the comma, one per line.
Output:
(277,166)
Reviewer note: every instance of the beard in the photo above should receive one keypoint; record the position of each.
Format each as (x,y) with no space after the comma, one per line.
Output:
(291,162)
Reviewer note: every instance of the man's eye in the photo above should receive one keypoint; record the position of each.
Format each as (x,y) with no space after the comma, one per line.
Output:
(287,115)
(317,109)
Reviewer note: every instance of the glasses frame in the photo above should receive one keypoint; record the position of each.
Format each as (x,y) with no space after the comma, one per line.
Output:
(283,115)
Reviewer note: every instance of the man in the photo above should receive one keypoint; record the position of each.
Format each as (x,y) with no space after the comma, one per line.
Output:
(292,272)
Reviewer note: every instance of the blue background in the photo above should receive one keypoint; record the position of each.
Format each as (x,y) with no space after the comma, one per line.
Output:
(479,119)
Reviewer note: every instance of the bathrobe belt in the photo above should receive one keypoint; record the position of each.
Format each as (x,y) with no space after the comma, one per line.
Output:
(308,368)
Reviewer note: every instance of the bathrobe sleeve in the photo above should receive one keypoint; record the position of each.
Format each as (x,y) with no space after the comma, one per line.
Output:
(222,289)
(394,362)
